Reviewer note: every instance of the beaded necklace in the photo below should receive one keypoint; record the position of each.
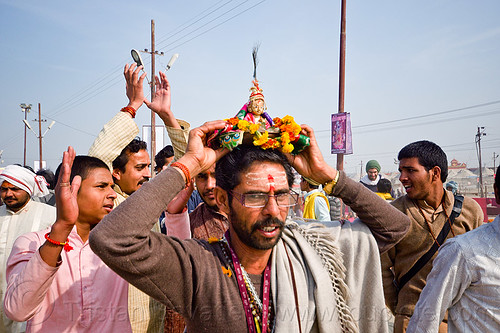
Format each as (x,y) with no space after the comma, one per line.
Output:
(259,315)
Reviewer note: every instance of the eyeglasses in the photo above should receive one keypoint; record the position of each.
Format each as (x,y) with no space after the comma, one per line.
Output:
(259,200)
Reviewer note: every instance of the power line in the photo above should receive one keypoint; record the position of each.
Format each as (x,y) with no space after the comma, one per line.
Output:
(172,34)
(204,25)
(429,115)
(232,17)
(424,116)
(111,79)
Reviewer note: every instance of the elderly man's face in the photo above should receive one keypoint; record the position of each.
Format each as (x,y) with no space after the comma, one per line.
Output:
(13,197)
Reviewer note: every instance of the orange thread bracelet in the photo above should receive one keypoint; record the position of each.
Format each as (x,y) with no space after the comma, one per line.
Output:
(65,244)
(130,110)
(184,170)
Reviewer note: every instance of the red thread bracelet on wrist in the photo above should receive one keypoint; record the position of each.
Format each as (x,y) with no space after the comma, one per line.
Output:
(65,244)
(130,110)
(184,170)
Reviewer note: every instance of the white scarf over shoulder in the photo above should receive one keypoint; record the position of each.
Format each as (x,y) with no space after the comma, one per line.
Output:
(322,282)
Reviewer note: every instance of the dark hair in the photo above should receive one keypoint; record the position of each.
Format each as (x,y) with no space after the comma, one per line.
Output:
(384,186)
(429,155)
(311,186)
(49,177)
(229,168)
(83,165)
(133,147)
(497,179)
(166,152)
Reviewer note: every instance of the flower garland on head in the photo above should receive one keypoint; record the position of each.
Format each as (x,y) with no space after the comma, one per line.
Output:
(288,140)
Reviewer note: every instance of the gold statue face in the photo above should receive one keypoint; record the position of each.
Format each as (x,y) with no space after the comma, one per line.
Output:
(257,106)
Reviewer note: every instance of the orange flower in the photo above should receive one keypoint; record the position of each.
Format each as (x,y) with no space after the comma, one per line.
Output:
(226,271)
(213,240)
(277,122)
(232,121)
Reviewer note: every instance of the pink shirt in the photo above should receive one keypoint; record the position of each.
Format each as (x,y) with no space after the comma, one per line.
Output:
(81,294)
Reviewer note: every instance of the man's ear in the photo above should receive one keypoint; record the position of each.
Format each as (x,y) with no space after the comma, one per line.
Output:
(222,200)
(116,173)
(436,173)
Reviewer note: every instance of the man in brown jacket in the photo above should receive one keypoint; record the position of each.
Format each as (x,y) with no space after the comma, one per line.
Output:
(424,168)
(265,273)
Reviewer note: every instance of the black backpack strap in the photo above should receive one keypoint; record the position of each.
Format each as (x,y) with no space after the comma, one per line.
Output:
(457,209)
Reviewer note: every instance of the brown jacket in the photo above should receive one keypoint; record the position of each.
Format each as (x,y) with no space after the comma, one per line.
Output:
(416,243)
(187,275)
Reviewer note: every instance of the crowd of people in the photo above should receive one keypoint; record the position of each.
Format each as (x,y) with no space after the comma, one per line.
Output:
(215,242)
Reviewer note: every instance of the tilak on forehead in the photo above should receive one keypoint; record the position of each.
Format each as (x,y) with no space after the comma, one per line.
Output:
(258,178)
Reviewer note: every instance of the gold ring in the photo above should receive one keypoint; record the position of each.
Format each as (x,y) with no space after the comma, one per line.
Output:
(64,184)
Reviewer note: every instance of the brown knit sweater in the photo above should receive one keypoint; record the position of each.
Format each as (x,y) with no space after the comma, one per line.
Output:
(187,275)
(206,222)
(416,243)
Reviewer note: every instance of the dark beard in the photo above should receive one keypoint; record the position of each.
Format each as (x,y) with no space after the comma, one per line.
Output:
(251,237)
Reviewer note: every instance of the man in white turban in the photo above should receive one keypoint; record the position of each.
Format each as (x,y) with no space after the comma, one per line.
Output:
(19,215)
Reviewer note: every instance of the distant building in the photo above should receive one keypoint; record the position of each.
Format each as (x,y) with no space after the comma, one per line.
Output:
(457,165)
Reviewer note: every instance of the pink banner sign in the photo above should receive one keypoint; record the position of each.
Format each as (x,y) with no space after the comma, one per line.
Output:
(341,133)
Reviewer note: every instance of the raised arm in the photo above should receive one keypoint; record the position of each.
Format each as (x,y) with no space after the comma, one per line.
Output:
(387,224)
(177,129)
(121,129)
(31,270)
(125,242)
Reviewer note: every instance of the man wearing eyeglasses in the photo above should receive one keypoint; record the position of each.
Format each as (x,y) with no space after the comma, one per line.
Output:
(267,269)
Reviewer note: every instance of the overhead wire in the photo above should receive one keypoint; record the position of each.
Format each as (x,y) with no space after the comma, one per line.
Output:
(111,79)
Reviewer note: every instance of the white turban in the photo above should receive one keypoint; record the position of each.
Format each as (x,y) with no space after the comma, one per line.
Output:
(24,179)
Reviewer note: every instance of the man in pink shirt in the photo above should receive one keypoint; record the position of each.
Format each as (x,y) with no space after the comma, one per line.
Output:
(54,280)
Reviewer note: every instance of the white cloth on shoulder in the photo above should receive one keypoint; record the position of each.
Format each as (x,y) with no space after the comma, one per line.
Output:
(34,185)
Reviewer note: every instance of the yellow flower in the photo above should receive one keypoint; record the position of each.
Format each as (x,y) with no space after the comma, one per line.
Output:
(288,148)
(261,138)
(253,128)
(285,139)
(243,125)
(288,119)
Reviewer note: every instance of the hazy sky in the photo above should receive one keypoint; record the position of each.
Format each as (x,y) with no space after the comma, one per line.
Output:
(414,70)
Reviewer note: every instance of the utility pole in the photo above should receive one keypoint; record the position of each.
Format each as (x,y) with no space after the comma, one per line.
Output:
(26,109)
(480,133)
(40,132)
(40,135)
(340,157)
(153,53)
(360,170)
